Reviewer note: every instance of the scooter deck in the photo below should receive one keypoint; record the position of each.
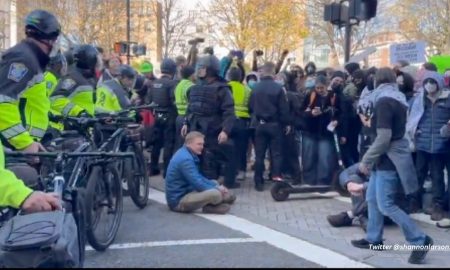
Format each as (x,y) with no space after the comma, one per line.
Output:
(309,188)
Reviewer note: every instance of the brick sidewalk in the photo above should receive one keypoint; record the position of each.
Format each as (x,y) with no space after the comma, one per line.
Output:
(304,216)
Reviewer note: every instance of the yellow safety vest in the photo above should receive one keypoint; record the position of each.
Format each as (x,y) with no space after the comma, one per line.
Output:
(241,96)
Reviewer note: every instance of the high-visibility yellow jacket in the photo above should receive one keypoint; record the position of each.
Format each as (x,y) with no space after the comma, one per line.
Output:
(73,95)
(13,191)
(241,97)
(24,103)
(180,96)
(112,97)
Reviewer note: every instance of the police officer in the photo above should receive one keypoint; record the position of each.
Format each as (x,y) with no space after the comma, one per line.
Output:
(268,103)
(241,132)
(114,95)
(188,77)
(211,111)
(162,94)
(24,103)
(74,94)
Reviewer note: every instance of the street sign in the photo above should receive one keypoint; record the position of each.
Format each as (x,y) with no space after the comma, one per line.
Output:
(413,52)
(364,54)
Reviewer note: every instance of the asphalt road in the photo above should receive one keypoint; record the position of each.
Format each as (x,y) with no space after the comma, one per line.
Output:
(156,237)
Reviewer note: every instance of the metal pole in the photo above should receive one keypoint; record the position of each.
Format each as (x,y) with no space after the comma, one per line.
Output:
(128,31)
(348,36)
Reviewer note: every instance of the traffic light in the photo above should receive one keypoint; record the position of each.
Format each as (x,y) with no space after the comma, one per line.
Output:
(139,49)
(362,10)
(121,48)
(333,13)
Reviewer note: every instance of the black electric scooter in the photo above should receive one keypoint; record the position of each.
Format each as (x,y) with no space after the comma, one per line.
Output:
(282,189)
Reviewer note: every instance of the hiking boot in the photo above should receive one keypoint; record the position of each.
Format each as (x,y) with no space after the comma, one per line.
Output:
(259,187)
(444,223)
(363,221)
(230,200)
(220,209)
(363,243)
(233,186)
(417,256)
(438,213)
(339,220)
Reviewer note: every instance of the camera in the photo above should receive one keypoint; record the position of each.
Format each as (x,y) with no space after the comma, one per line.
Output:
(209,50)
(259,53)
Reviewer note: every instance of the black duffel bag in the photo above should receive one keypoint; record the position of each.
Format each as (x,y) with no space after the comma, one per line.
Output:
(40,240)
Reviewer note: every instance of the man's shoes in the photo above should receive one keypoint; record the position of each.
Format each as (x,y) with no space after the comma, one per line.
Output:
(428,211)
(417,256)
(363,243)
(444,223)
(220,209)
(438,213)
(241,176)
(363,221)
(339,220)
(259,187)
(230,200)
(233,186)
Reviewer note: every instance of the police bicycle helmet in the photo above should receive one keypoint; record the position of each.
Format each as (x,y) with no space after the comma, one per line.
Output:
(168,66)
(42,25)
(211,63)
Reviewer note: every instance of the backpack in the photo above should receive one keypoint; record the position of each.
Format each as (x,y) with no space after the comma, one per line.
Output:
(40,240)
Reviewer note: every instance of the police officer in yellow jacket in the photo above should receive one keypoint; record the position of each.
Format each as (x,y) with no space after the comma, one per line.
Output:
(14,193)
(181,101)
(241,132)
(24,103)
(114,95)
(75,92)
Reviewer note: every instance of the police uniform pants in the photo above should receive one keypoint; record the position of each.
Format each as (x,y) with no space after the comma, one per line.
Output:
(179,140)
(164,133)
(217,158)
(241,136)
(268,135)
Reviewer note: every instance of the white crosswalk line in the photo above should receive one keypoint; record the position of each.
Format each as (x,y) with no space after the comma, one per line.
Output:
(298,247)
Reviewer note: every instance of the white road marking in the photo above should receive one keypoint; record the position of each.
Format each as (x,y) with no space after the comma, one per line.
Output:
(298,247)
(181,243)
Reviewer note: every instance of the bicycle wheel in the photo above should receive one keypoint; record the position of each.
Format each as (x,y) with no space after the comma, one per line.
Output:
(104,206)
(135,171)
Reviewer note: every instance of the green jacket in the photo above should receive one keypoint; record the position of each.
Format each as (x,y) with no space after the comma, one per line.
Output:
(111,97)
(13,191)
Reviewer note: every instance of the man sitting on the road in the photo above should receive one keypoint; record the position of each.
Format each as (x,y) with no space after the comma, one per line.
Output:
(187,189)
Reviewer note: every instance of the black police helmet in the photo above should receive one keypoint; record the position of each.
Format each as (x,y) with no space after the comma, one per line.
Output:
(127,71)
(41,24)
(85,57)
(168,66)
(211,63)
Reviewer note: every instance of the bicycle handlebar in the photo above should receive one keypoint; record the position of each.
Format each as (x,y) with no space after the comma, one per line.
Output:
(66,155)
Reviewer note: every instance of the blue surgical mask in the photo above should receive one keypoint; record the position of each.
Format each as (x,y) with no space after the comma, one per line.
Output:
(252,84)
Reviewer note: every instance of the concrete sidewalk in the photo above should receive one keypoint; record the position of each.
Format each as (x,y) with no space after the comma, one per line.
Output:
(304,216)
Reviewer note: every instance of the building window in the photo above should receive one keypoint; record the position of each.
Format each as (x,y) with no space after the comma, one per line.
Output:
(148,26)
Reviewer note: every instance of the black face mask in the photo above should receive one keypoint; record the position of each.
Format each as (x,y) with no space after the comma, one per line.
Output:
(337,88)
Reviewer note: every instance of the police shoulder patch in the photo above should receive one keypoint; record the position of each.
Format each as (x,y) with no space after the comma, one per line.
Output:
(17,72)
(68,84)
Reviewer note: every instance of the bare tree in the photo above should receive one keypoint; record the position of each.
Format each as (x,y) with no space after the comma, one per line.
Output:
(174,24)
(430,22)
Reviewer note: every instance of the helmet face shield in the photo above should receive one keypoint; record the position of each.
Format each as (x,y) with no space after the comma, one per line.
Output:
(56,46)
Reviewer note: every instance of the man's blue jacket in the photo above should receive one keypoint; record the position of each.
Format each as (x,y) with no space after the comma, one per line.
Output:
(183,176)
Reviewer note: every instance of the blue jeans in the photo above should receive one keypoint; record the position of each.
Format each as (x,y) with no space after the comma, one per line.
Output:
(383,186)
(319,160)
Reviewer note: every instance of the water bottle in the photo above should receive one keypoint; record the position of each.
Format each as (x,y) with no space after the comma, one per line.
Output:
(58,186)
